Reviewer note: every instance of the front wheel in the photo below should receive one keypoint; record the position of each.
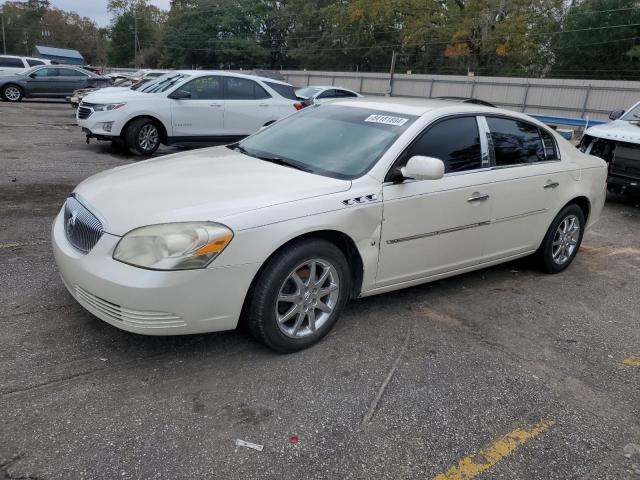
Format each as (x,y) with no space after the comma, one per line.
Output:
(142,136)
(12,93)
(299,295)
(562,241)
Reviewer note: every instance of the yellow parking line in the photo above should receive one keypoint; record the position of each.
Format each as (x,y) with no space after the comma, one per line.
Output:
(473,465)
(9,245)
(632,361)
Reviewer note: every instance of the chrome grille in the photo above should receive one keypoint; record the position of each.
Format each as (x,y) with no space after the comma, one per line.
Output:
(83,228)
(85,110)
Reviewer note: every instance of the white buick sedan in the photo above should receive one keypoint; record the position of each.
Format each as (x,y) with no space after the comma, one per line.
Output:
(342,200)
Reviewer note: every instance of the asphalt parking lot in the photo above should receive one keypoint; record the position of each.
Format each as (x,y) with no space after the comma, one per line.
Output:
(502,373)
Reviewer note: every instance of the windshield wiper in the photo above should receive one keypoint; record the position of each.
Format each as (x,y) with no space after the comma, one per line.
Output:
(269,158)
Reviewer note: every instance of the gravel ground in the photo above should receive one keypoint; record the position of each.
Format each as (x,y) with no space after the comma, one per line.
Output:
(467,361)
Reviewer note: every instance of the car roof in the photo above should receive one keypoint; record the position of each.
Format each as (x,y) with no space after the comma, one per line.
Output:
(229,73)
(420,106)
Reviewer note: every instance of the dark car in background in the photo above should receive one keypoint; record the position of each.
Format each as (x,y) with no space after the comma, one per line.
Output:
(49,82)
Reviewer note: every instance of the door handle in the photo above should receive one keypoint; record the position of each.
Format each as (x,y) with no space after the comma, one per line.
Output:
(263,105)
(215,105)
(478,197)
(551,184)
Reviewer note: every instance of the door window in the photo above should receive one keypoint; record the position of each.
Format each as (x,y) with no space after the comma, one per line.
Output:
(243,89)
(204,88)
(345,94)
(11,62)
(70,72)
(455,141)
(34,63)
(515,142)
(331,93)
(286,91)
(45,72)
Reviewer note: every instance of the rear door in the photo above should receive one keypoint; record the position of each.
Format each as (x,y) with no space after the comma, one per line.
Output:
(69,80)
(248,106)
(202,114)
(527,179)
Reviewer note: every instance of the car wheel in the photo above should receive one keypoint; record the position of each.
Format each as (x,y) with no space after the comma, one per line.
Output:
(299,295)
(143,136)
(562,241)
(12,93)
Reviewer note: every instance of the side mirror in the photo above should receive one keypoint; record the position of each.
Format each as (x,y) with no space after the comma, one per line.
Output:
(616,114)
(423,168)
(180,95)
(307,102)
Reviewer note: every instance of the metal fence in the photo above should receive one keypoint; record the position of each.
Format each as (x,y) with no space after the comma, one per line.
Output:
(587,99)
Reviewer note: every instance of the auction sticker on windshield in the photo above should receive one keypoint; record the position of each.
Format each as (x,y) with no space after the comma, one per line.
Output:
(386,119)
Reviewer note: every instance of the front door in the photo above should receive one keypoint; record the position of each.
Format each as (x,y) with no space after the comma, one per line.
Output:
(201,114)
(248,106)
(43,81)
(435,226)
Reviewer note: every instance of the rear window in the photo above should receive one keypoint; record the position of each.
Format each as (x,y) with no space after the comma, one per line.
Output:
(11,62)
(34,63)
(285,91)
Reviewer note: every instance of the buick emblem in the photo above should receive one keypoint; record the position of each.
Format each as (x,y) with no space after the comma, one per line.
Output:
(71,222)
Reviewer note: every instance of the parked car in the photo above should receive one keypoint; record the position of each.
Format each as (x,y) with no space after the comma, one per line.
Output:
(48,82)
(320,94)
(77,96)
(283,227)
(618,143)
(12,64)
(186,106)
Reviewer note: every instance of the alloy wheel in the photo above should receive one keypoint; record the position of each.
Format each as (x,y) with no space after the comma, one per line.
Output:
(148,137)
(12,93)
(565,239)
(307,298)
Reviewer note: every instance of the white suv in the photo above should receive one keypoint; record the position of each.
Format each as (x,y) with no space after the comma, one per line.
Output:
(186,106)
(11,64)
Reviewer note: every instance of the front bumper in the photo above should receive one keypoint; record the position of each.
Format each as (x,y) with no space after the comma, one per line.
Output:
(95,123)
(146,301)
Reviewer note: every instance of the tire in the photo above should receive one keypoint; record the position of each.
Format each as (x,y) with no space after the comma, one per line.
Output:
(12,93)
(142,136)
(558,249)
(276,292)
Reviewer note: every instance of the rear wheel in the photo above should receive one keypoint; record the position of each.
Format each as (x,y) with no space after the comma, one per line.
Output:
(299,295)
(142,136)
(562,241)
(12,93)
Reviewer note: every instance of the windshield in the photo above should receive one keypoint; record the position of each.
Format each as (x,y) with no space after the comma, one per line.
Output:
(332,140)
(308,92)
(163,83)
(632,115)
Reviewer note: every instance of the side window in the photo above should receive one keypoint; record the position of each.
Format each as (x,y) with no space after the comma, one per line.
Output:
(346,94)
(44,72)
(286,91)
(204,88)
(455,141)
(70,72)
(515,142)
(11,62)
(331,93)
(550,149)
(34,63)
(243,89)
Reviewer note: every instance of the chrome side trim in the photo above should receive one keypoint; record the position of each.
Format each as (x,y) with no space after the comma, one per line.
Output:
(465,227)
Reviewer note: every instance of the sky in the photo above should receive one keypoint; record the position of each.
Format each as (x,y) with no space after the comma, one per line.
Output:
(96,9)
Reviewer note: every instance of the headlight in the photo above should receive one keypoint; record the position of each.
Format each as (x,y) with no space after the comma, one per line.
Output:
(105,107)
(173,246)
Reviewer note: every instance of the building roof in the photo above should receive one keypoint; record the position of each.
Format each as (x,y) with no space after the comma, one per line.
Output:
(59,52)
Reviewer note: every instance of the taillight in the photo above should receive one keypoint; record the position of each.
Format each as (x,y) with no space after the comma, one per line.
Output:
(298,106)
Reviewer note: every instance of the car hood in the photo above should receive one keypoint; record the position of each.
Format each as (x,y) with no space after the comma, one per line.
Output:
(115,95)
(204,184)
(618,130)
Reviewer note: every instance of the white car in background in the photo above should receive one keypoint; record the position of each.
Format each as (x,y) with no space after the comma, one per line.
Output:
(321,94)
(12,64)
(282,228)
(186,106)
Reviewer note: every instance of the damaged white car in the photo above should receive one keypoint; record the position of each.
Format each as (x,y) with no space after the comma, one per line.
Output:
(618,143)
